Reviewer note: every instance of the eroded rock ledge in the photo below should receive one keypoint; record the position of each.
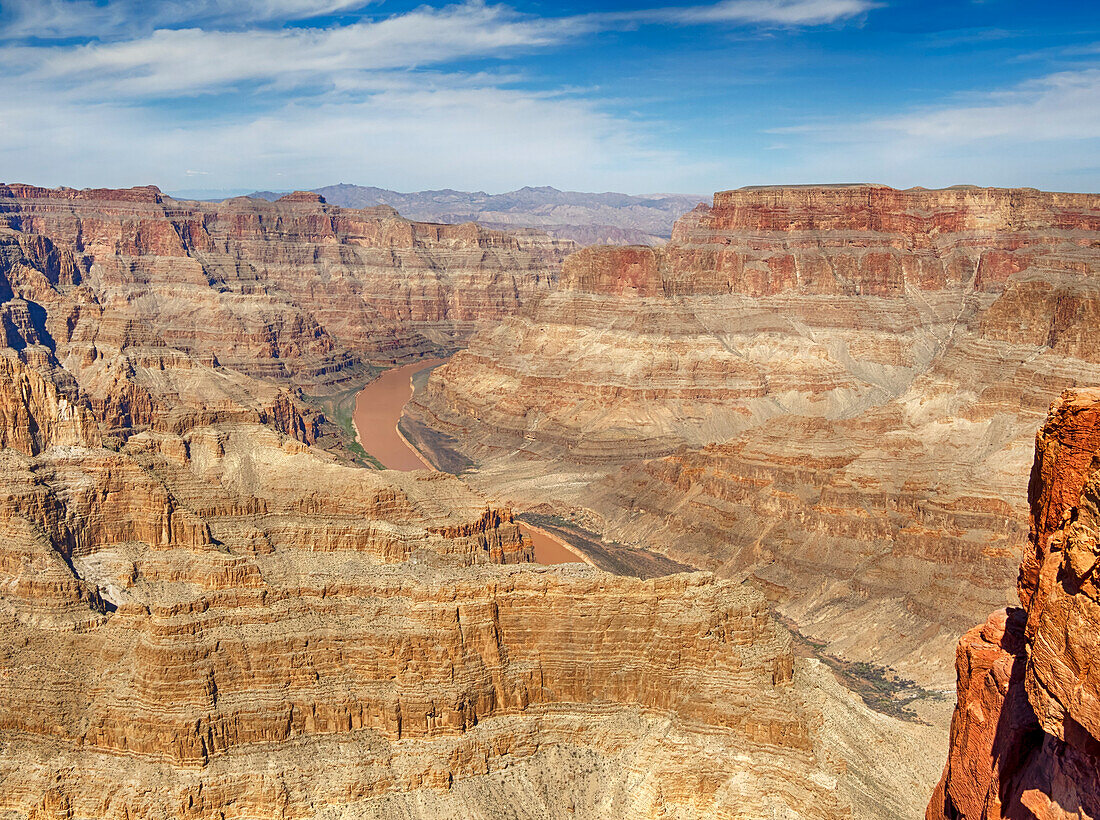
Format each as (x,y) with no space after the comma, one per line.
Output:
(1025,738)
(216,620)
(297,290)
(833,388)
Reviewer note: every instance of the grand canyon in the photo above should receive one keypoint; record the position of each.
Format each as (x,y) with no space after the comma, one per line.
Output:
(697,530)
(532,410)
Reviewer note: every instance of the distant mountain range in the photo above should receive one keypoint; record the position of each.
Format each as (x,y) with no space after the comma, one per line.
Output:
(590,219)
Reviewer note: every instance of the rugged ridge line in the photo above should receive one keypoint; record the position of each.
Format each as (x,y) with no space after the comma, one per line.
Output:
(297,290)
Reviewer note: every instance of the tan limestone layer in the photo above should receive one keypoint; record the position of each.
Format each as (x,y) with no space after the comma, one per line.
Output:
(227,622)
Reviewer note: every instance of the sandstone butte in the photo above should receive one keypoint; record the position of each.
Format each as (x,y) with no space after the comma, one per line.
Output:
(830,390)
(1025,738)
(203,615)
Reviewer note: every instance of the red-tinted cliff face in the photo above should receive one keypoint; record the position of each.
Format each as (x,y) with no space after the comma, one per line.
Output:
(918,213)
(1025,738)
(297,290)
(804,240)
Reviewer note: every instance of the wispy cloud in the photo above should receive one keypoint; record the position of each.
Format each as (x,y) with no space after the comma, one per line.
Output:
(1063,105)
(193,60)
(116,19)
(773,12)
(1040,129)
(105,92)
(53,19)
(450,130)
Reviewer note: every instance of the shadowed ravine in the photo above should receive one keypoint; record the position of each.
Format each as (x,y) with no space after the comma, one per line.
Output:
(378,408)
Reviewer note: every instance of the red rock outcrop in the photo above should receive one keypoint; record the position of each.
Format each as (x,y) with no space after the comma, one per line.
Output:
(1025,738)
(831,388)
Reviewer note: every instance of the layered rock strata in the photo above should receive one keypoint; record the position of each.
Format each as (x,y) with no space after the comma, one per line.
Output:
(297,289)
(1025,738)
(227,623)
(204,616)
(833,389)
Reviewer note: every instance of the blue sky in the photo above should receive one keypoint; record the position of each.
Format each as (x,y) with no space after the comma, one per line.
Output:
(672,96)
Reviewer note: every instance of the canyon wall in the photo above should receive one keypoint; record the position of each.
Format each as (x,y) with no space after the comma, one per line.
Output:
(296,290)
(832,390)
(1025,738)
(223,621)
(203,615)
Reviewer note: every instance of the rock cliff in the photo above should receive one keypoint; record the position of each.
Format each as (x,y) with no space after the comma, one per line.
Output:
(833,389)
(202,615)
(1025,738)
(227,623)
(297,289)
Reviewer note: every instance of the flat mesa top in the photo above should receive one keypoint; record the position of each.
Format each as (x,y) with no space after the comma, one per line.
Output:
(840,186)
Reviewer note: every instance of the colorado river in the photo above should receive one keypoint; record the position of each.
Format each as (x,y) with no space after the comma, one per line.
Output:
(378,408)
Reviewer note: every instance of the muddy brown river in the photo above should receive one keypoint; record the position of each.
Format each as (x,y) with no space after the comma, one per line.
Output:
(378,408)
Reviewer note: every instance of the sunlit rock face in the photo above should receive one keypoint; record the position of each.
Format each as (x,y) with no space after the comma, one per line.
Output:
(296,289)
(228,623)
(1025,739)
(225,622)
(834,389)
(203,615)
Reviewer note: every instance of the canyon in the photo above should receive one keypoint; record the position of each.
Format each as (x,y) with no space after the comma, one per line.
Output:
(210,610)
(378,409)
(829,391)
(296,291)
(792,444)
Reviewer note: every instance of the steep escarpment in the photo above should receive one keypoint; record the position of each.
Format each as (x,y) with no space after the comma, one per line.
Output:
(1025,739)
(296,290)
(832,389)
(229,623)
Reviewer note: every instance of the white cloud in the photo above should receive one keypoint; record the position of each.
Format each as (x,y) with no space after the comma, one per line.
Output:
(88,19)
(777,12)
(408,134)
(1060,106)
(1034,134)
(1065,105)
(369,100)
(190,61)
